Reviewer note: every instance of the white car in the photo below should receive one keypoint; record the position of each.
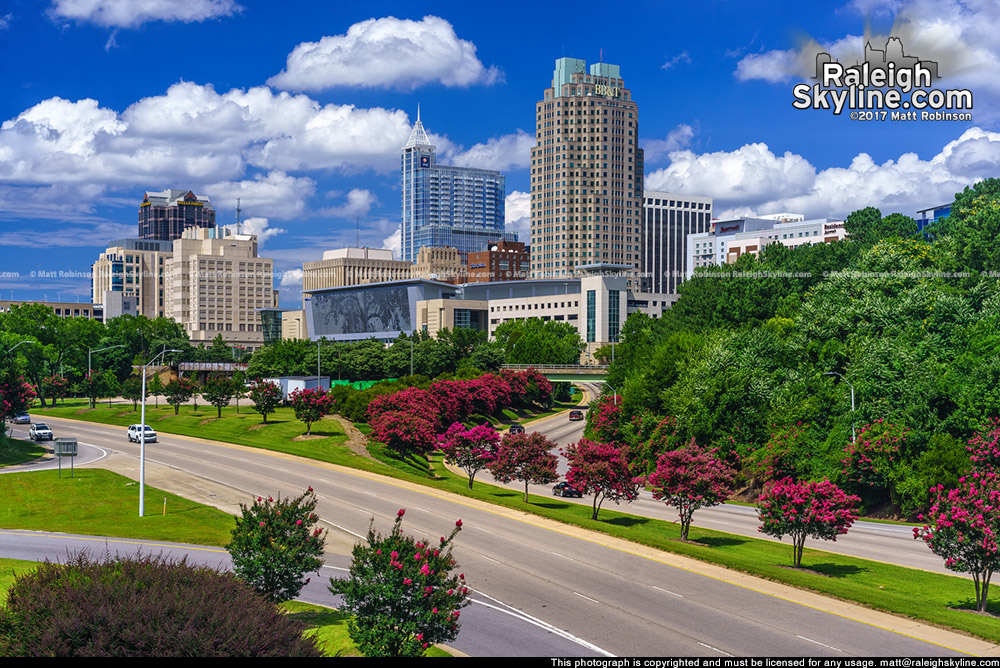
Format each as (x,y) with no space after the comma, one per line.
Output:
(39,432)
(135,433)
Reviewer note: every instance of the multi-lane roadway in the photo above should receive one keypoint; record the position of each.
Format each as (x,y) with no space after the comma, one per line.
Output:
(541,588)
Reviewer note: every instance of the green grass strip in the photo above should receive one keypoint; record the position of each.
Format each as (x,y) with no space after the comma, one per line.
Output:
(15,451)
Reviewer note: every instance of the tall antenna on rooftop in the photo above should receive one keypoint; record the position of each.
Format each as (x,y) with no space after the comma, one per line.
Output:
(357,221)
(239,223)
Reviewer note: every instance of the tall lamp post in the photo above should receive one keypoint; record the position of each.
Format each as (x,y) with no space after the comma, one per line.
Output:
(18,344)
(91,351)
(834,373)
(142,435)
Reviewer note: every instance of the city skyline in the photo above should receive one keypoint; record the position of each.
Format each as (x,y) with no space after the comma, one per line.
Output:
(301,113)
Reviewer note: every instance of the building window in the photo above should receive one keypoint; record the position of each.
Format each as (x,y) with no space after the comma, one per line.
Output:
(591,316)
(613,314)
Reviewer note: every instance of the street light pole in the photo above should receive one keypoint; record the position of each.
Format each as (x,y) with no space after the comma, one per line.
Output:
(90,351)
(834,373)
(142,435)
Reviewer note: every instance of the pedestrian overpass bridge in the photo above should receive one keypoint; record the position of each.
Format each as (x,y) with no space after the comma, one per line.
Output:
(572,373)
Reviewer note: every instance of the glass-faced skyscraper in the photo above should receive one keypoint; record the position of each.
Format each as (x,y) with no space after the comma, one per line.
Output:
(586,174)
(461,207)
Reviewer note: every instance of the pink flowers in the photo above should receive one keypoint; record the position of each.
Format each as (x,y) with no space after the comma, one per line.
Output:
(458,523)
(402,511)
(818,509)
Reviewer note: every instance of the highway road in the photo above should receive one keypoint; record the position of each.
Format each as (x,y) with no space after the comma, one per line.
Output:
(603,596)
(891,543)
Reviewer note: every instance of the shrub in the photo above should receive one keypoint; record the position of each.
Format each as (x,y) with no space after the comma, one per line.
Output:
(274,544)
(402,593)
(142,606)
(403,432)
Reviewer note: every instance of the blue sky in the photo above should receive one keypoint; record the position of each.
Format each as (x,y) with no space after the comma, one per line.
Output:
(300,108)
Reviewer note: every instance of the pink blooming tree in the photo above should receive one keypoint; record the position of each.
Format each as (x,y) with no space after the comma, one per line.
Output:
(472,450)
(984,448)
(689,479)
(604,420)
(872,460)
(601,469)
(310,405)
(402,593)
(403,432)
(963,527)
(266,397)
(526,457)
(800,509)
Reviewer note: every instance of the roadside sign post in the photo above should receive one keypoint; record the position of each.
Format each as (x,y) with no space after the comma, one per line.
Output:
(65,447)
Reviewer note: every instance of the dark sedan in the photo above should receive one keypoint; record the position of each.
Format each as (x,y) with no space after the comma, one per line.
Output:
(575,415)
(566,489)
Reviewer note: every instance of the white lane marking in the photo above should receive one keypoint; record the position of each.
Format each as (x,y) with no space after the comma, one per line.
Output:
(715,649)
(345,529)
(513,612)
(482,529)
(563,556)
(488,559)
(819,643)
(365,491)
(666,591)
(337,568)
(586,597)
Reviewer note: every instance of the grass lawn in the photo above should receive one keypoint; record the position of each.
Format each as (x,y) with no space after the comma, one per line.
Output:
(16,451)
(330,628)
(929,597)
(101,503)
(9,568)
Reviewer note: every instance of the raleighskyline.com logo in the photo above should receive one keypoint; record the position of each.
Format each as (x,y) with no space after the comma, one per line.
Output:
(888,85)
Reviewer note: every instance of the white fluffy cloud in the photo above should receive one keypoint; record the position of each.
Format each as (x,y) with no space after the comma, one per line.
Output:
(959,34)
(385,53)
(359,203)
(275,194)
(131,13)
(517,210)
(508,151)
(394,242)
(753,180)
(291,278)
(656,150)
(259,226)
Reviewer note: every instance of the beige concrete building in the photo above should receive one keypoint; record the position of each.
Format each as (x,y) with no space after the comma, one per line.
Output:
(293,325)
(353,266)
(433,315)
(586,174)
(133,268)
(439,264)
(215,282)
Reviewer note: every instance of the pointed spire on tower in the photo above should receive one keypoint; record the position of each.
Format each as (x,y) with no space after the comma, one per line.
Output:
(418,137)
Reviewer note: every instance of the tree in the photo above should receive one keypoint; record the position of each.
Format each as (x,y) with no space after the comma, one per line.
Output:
(963,527)
(817,509)
(132,391)
(275,544)
(526,457)
(402,593)
(537,341)
(97,385)
(266,397)
(219,391)
(16,396)
(154,387)
(470,449)
(55,387)
(310,405)
(689,479)
(403,432)
(177,392)
(871,461)
(601,469)
(142,606)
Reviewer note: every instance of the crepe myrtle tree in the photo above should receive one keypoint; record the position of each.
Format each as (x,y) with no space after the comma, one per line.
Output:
(601,469)
(800,509)
(178,391)
(403,432)
(219,391)
(266,397)
(525,457)
(310,405)
(963,527)
(472,450)
(402,592)
(689,479)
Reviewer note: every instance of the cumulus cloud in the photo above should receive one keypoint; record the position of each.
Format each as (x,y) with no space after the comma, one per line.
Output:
(656,150)
(394,242)
(69,235)
(259,226)
(753,180)
(291,278)
(5,21)
(386,53)
(359,203)
(958,34)
(517,210)
(499,153)
(274,194)
(132,13)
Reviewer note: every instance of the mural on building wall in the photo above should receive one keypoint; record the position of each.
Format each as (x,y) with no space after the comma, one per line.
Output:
(361,311)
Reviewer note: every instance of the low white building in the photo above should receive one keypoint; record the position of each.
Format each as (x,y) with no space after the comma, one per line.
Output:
(729,239)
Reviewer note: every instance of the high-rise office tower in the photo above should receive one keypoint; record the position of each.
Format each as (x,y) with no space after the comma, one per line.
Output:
(668,220)
(166,214)
(586,174)
(460,207)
